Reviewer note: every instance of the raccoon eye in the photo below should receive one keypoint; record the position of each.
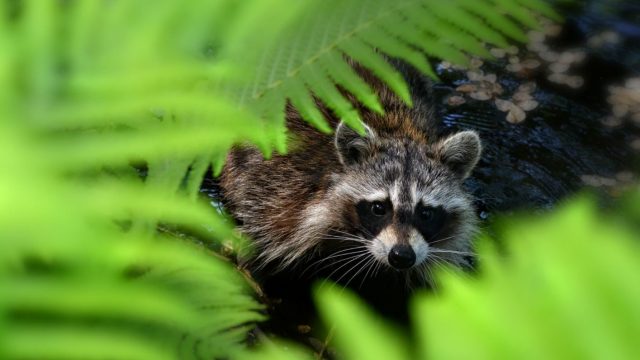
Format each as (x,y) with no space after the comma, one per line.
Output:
(431,220)
(378,208)
(426,213)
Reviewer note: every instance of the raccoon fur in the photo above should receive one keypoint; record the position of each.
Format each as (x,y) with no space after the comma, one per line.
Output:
(391,200)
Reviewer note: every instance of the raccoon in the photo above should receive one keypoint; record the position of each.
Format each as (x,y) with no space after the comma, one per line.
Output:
(388,200)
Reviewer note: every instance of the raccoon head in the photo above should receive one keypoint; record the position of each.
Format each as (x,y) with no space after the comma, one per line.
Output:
(403,199)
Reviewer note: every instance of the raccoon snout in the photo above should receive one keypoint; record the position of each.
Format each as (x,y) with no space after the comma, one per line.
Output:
(402,256)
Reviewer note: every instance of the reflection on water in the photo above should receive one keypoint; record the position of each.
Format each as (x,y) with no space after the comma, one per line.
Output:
(571,138)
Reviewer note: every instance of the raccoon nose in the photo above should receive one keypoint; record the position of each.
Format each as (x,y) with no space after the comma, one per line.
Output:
(402,257)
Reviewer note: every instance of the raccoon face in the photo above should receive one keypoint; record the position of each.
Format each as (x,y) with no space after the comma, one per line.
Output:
(408,205)
(401,238)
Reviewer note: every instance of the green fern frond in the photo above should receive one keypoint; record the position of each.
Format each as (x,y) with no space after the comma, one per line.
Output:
(310,56)
(345,313)
(68,274)
(59,342)
(503,24)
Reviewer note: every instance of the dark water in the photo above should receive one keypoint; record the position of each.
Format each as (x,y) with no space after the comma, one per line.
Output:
(535,164)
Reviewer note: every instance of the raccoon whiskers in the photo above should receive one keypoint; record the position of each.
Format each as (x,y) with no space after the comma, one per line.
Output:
(456,258)
(372,265)
(434,259)
(341,253)
(366,232)
(363,264)
(441,240)
(368,264)
(408,283)
(342,232)
(377,269)
(356,259)
(456,252)
(344,238)
(334,259)
(421,272)
(345,235)
(427,274)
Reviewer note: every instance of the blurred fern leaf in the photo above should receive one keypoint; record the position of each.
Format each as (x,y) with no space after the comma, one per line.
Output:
(91,87)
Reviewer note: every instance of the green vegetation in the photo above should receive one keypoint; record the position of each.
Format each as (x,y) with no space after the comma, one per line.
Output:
(94,89)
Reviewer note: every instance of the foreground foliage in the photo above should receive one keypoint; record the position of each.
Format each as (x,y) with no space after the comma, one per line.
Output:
(112,113)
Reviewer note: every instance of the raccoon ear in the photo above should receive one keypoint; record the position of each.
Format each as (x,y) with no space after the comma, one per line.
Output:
(460,152)
(351,146)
